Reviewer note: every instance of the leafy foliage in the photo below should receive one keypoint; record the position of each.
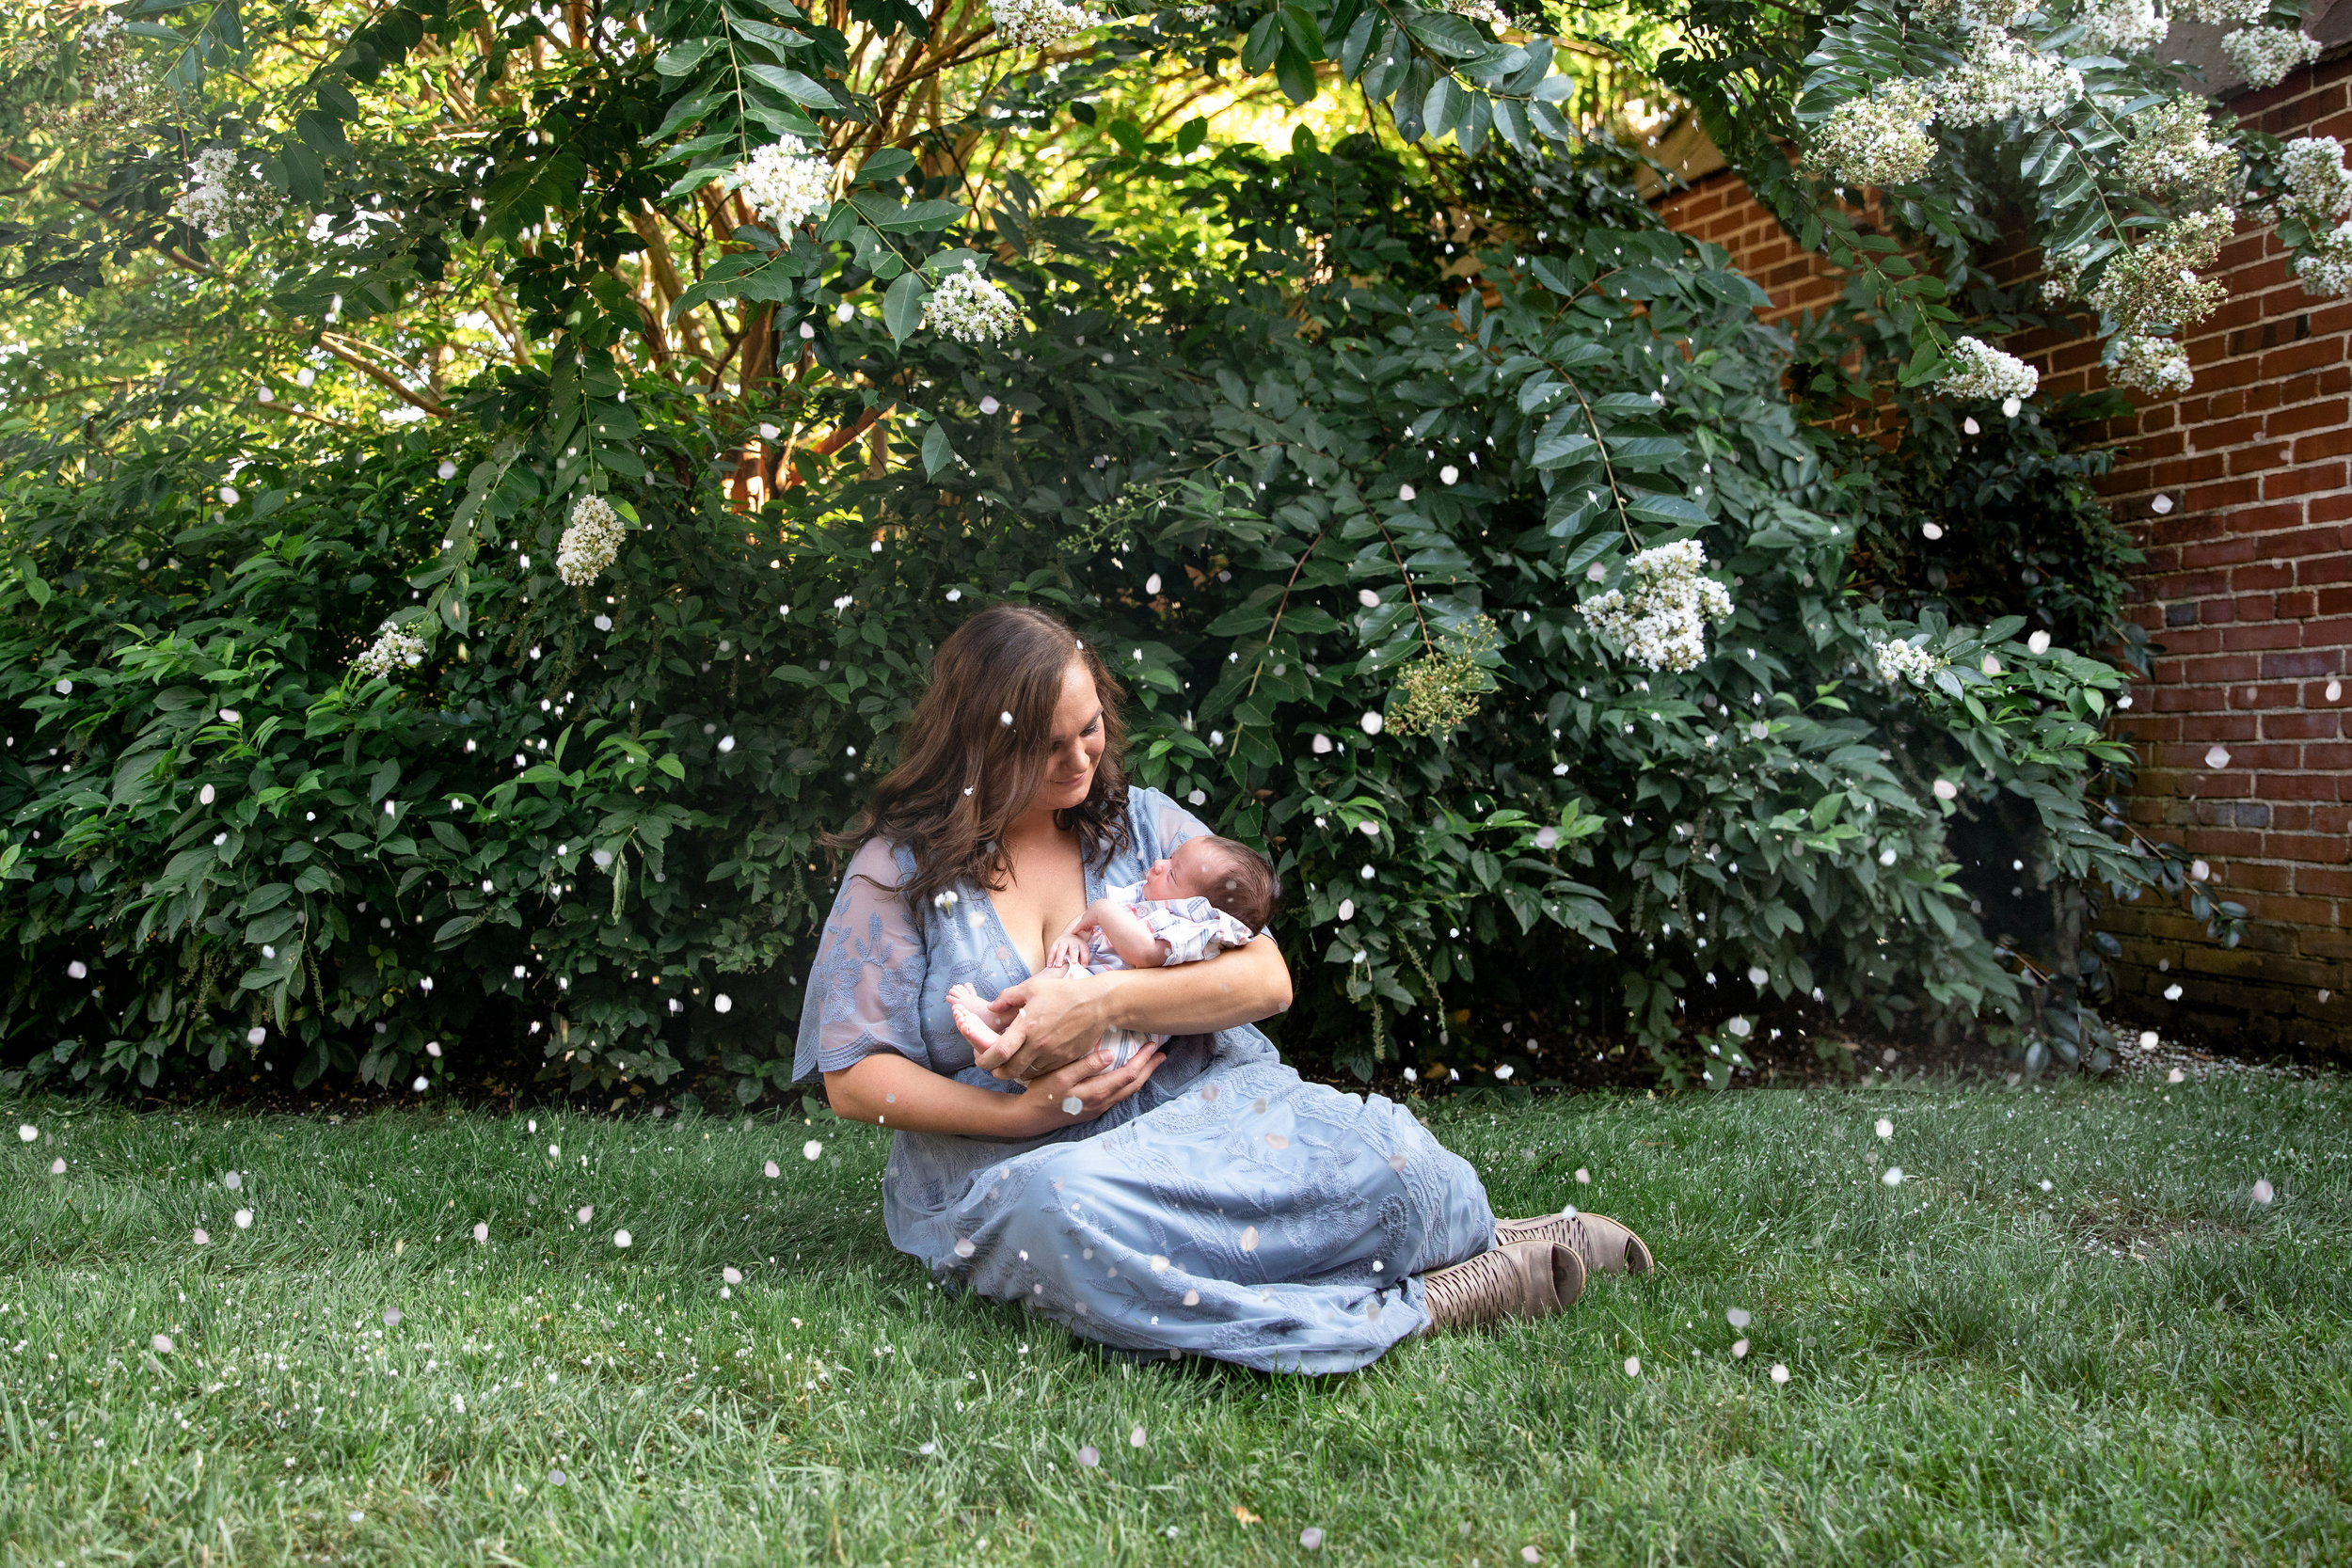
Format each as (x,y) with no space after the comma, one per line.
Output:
(1273,490)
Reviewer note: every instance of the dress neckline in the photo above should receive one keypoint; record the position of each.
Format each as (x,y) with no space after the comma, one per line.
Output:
(1091,883)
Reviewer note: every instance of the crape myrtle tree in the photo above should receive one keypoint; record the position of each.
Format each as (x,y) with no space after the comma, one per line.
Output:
(482,483)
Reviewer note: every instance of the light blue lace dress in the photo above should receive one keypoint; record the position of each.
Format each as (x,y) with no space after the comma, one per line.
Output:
(1229,1209)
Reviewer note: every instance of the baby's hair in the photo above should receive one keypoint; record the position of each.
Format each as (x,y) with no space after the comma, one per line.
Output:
(1245,883)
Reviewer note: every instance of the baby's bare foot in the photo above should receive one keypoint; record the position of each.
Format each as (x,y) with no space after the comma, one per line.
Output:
(969,1021)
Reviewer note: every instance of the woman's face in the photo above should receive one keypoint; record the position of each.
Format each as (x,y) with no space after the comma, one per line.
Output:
(1078,742)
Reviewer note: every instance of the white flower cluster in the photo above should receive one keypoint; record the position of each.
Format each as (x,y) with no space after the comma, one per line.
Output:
(2002,77)
(1906,662)
(2222,13)
(1982,370)
(2328,268)
(1660,619)
(2065,271)
(2123,26)
(1195,13)
(785,184)
(1034,24)
(591,542)
(1879,139)
(2319,192)
(2155,283)
(220,195)
(392,649)
(2172,157)
(1478,11)
(98,32)
(2319,186)
(969,308)
(2157,366)
(2264,55)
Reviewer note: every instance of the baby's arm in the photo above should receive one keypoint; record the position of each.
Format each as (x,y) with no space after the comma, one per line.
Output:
(1127,934)
(1071,946)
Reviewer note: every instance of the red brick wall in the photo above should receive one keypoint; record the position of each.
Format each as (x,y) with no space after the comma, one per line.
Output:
(2246,593)
(1717,207)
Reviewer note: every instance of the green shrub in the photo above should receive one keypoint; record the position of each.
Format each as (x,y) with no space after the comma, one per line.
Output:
(1327,489)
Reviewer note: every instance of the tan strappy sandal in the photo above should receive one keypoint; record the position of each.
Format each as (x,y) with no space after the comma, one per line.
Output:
(1523,1279)
(1606,1246)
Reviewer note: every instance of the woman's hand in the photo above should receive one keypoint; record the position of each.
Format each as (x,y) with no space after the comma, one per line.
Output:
(1062,1018)
(1083,1090)
(1061,1023)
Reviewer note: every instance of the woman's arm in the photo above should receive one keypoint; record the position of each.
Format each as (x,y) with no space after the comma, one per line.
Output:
(887,1089)
(1064,1018)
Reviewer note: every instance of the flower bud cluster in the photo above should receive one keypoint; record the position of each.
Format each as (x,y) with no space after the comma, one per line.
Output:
(2123,26)
(591,542)
(1982,370)
(2264,55)
(2171,156)
(1906,662)
(122,89)
(2155,284)
(2003,77)
(2157,366)
(1438,693)
(1879,139)
(969,308)
(1659,618)
(785,184)
(1034,24)
(392,649)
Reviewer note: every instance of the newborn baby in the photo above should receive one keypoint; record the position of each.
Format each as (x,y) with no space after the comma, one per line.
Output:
(1211,893)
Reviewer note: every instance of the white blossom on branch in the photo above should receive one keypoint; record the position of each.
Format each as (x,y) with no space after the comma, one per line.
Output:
(1982,370)
(2172,157)
(785,184)
(2154,365)
(969,308)
(1905,661)
(2003,77)
(1879,139)
(2327,269)
(2222,13)
(1034,23)
(1659,620)
(392,649)
(2264,55)
(591,542)
(2155,283)
(2123,26)
(2319,186)
(222,194)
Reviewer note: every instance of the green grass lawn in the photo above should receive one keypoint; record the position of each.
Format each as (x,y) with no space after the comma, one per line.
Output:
(2138,1364)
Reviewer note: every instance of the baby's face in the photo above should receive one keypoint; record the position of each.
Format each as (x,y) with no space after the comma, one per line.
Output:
(1182,874)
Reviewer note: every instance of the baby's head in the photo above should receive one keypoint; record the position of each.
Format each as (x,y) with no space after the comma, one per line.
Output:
(1231,875)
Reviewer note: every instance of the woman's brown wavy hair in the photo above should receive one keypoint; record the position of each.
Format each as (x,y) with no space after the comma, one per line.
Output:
(964,775)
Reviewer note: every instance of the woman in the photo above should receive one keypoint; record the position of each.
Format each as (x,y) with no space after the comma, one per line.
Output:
(1201,1197)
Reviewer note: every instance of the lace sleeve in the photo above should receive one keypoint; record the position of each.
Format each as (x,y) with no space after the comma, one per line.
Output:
(865,990)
